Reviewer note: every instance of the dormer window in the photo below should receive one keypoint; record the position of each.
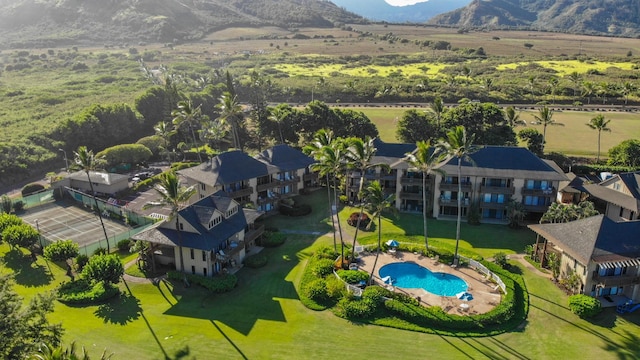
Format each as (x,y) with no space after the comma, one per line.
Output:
(231,212)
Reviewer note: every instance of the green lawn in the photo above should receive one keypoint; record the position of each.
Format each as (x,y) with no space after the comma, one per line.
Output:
(263,319)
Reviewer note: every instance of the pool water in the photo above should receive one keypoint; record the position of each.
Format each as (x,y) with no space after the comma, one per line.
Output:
(414,276)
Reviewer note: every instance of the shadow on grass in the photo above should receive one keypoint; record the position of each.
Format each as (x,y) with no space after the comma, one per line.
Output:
(27,272)
(120,310)
(256,297)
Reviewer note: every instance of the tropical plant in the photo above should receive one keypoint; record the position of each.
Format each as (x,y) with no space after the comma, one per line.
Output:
(588,90)
(576,79)
(460,146)
(22,235)
(545,118)
(85,160)
(512,117)
(627,89)
(377,202)
(561,213)
(106,268)
(47,351)
(437,107)
(175,196)
(360,154)
(231,113)
(425,159)
(187,116)
(599,123)
(62,250)
(534,140)
(515,213)
(553,261)
(627,153)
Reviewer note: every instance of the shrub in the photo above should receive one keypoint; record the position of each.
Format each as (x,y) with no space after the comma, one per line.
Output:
(500,259)
(84,291)
(316,290)
(376,293)
(81,261)
(325,252)
(7,220)
(584,306)
(22,235)
(107,268)
(99,251)
(272,239)
(18,206)
(255,261)
(355,308)
(353,276)
(183,165)
(217,284)
(335,288)
(295,209)
(322,268)
(124,245)
(31,189)
(61,250)
(364,220)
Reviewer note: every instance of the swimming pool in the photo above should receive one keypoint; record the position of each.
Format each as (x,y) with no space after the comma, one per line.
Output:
(412,275)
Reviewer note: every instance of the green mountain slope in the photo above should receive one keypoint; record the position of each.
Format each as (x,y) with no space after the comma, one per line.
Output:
(44,23)
(602,17)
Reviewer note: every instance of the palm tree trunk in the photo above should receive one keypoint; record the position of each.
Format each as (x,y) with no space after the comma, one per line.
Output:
(281,137)
(424,210)
(195,142)
(455,256)
(335,196)
(598,158)
(184,275)
(333,223)
(104,229)
(355,236)
(375,262)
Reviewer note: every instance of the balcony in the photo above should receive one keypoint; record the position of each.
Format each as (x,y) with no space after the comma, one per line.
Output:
(466,186)
(310,177)
(539,192)
(252,235)
(267,185)
(452,202)
(536,208)
(619,280)
(241,193)
(410,195)
(492,205)
(509,190)
(405,180)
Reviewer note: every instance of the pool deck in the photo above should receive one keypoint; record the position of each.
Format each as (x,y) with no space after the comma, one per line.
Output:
(485,295)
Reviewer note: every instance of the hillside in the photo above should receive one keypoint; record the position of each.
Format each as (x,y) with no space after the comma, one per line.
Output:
(381,11)
(597,17)
(38,23)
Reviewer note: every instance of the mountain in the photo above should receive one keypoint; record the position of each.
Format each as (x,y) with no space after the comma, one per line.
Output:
(598,17)
(41,23)
(380,10)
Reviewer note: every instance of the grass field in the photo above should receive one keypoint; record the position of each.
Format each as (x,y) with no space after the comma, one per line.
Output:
(574,138)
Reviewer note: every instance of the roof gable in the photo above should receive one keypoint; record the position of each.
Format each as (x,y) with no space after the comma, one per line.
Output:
(285,158)
(227,168)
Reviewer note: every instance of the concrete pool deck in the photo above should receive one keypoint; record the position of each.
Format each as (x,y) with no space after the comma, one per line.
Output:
(485,295)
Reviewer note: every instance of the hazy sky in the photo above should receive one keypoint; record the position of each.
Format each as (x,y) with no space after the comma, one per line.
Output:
(404,2)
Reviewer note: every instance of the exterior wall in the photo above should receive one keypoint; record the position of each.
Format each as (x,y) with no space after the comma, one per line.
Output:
(99,187)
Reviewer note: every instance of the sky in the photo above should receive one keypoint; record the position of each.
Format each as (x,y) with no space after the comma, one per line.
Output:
(404,2)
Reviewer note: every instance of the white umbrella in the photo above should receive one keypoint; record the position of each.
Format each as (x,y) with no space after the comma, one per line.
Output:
(392,243)
(386,279)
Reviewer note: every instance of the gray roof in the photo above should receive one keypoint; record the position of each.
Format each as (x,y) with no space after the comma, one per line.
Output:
(228,168)
(596,238)
(612,196)
(285,158)
(507,162)
(631,180)
(98,177)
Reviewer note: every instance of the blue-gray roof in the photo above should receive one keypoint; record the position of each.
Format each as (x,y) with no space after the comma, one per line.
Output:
(285,158)
(396,150)
(632,180)
(228,168)
(505,157)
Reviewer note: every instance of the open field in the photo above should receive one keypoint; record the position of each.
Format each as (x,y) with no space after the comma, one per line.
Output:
(574,138)
(263,318)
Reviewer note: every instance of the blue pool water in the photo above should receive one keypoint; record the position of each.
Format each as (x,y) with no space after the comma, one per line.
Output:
(411,275)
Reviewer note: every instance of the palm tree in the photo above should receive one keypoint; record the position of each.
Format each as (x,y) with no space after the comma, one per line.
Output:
(165,131)
(214,130)
(187,115)
(575,78)
(279,115)
(513,118)
(437,107)
(545,118)
(599,123)
(50,352)
(425,159)
(321,139)
(231,112)
(360,154)
(85,160)
(627,88)
(377,202)
(553,87)
(176,196)
(588,90)
(531,81)
(458,145)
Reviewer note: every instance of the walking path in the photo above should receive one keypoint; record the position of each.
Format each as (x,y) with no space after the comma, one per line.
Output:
(520,258)
(139,280)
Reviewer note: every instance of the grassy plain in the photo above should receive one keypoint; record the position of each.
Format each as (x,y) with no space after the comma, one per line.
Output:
(263,318)
(574,138)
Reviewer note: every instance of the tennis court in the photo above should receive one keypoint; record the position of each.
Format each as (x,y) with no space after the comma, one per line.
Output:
(64,221)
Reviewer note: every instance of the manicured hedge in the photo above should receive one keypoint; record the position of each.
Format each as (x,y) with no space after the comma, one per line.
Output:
(217,284)
(353,276)
(85,292)
(584,306)
(31,189)
(255,261)
(272,239)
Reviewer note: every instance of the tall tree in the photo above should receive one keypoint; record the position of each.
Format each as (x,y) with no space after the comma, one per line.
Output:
(425,159)
(360,154)
(437,107)
(231,113)
(187,115)
(599,123)
(588,90)
(512,117)
(553,85)
(166,132)
(85,160)
(176,196)
(545,118)
(460,146)
(376,203)
(626,89)
(576,79)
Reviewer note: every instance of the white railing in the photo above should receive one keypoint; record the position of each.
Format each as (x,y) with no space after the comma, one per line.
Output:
(490,274)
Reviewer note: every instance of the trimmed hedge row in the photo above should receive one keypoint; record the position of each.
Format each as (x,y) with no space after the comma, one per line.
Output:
(217,284)
(334,290)
(84,292)
(353,276)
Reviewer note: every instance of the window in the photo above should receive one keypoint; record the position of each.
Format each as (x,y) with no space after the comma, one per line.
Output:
(204,255)
(203,186)
(181,227)
(193,269)
(192,254)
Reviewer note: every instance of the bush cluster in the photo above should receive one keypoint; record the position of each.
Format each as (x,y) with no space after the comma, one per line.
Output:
(124,245)
(255,261)
(321,267)
(584,306)
(353,276)
(316,290)
(83,291)
(217,284)
(272,239)
(31,189)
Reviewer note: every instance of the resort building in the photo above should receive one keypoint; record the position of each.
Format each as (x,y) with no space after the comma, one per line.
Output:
(104,183)
(263,180)
(215,234)
(497,174)
(603,252)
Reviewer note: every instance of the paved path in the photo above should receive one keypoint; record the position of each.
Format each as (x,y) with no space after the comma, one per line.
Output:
(138,280)
(520,258)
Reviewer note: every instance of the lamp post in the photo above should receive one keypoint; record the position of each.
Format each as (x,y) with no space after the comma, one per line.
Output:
(66,161)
